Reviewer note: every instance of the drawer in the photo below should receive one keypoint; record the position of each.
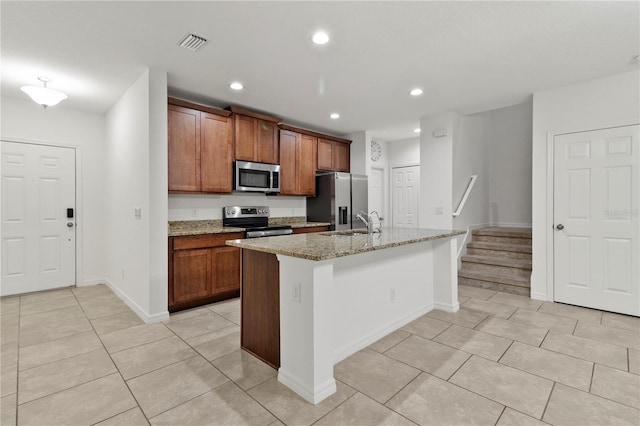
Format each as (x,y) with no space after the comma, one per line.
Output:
(204,240)
(309,229)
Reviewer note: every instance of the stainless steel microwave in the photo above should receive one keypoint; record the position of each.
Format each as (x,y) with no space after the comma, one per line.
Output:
(256,177)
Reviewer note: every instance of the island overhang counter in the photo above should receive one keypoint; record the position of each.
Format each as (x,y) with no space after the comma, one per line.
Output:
(338,292)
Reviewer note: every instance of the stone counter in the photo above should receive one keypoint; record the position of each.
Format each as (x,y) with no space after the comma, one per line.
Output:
(198,227)
(331,245)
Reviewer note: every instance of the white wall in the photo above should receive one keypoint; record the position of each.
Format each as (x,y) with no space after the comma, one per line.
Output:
(436,165)
(508,133)
(404,152)
(209,206)
(24,121)
(136,170)
(606,102)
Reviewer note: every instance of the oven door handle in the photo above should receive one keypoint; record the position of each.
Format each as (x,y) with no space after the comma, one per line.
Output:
(268,233)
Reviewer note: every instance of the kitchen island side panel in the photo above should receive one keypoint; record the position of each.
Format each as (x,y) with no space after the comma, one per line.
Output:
(260,306)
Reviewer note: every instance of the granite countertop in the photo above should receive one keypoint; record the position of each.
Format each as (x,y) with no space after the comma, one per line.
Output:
(331,245)
(198,227)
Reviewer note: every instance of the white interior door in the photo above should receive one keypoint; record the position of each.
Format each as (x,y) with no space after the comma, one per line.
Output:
(376,191)
(597,219)
(38,239)
(404,199)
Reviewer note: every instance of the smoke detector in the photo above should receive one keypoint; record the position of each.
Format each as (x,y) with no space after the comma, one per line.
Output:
(192,42)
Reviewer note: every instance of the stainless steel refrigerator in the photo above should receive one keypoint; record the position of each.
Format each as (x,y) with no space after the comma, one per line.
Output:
(339,197)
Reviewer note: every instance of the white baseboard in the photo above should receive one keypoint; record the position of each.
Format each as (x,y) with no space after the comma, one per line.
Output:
(447,307)
(95,281)
(353,347)
(539,296)
(314,396)
(144,316)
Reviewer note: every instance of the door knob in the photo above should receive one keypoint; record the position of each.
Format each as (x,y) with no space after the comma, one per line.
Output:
(70,224)
(559,227)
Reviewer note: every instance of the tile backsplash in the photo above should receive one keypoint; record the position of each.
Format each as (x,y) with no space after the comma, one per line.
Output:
(208,207)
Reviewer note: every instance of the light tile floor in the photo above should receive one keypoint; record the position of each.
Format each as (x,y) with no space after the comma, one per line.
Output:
(80,356)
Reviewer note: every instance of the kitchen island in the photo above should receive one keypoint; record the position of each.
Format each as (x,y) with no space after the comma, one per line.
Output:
(311,300)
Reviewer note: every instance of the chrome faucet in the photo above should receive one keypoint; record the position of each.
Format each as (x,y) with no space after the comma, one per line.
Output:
(367,220)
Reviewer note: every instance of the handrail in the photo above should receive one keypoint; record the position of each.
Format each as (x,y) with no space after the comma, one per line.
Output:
(465,196)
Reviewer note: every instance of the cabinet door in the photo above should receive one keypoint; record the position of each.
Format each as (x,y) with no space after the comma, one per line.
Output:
(184,149)
(245,130)
(341,160)
(267,142)
(226,269)
(288,163)
(325,154)
(216,153)
(191,275)
(306,158)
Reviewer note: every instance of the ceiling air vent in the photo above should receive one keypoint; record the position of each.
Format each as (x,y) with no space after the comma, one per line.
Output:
(192,42)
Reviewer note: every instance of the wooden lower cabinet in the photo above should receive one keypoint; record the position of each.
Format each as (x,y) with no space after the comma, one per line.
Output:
(202,270)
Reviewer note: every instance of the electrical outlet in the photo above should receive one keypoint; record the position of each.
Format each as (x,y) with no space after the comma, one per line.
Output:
(137,213)
(439,210)
(297,293)
(392,295)
(194,212)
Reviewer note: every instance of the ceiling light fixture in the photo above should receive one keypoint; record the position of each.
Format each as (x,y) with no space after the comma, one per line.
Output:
(416,92)
(236,85)
(43,95)
(320,38)
(335,116)
(416,130)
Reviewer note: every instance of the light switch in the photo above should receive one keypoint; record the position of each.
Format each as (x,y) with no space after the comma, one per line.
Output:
(439,210)
(138,213)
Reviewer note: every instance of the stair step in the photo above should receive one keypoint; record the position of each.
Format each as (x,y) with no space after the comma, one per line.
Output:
(498,253)
(497,261)
(505,288)
(502,239)
(499,231)
(486,245)
(494,278)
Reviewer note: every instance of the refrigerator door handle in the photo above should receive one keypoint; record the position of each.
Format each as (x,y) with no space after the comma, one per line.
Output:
(342,220)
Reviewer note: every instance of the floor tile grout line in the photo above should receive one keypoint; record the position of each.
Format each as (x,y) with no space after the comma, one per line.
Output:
(62,359)
(336,407)
(504,408)
(593,371)
(388,349)
(553,388)
(507,350)
(115,366)
(116,415)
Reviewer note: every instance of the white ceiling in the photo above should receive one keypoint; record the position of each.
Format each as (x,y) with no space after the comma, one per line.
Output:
(467,56)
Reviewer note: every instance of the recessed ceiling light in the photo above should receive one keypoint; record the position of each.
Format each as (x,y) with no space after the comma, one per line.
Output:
(415,92)
(320,38)
(236,86)
(335,116)
(416,130)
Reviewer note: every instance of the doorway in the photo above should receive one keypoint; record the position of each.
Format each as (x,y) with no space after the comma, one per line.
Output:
(597,219)
(38,217)
(376,190)
(405,187)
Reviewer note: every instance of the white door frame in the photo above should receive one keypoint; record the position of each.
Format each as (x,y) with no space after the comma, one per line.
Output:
(78,195)
(399,166)
(550,207)
(385,202)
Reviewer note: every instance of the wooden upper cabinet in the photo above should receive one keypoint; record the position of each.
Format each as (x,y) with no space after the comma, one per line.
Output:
(216,153)
(333,155)
(184,149)
(256,136)
(200,143)
(307,165)
(297,163)
(288,163)
(341,157)
(325,154)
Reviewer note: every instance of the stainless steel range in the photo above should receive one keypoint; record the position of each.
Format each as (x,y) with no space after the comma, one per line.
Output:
(255,220)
